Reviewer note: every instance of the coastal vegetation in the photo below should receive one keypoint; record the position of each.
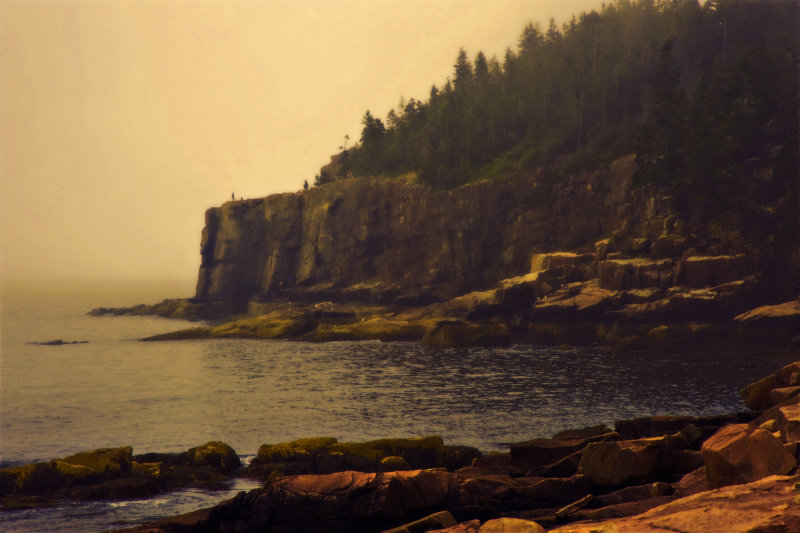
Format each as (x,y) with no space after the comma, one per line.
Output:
(700,92)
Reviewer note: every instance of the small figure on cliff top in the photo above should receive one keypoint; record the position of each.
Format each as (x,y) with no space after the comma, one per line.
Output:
(233,198)
(305,185)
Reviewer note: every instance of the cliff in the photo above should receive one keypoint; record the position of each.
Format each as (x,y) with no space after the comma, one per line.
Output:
(394,240)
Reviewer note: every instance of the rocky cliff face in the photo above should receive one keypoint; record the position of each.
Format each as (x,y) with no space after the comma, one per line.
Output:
(390,239)
(393,241)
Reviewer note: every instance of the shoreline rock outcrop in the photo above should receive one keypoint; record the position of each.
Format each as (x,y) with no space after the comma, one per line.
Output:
(715,474)
(710,474)
(113,474)
(639,272)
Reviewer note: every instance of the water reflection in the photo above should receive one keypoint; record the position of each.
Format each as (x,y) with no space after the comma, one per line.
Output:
(478,396)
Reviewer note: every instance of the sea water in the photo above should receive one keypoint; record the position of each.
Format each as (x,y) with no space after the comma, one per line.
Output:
(171,396)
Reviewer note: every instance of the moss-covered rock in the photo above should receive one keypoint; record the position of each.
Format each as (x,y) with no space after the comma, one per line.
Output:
(318,455)
(301,450)
(113,473)
(215,454)
(107,462)
(460,333)
(393,463)
(376,328)
(263,327)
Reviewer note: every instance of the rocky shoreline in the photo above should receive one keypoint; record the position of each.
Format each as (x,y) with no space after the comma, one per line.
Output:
(626,303)
(499,261)
(734,472)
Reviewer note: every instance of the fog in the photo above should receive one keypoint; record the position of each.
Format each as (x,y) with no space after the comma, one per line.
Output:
(121,122)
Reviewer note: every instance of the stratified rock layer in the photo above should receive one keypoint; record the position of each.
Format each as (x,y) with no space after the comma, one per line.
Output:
(401,240)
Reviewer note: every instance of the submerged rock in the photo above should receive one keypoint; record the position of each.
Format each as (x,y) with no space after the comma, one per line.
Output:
(57,342)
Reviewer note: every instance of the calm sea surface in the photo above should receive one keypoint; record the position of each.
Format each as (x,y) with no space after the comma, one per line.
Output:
(171,396)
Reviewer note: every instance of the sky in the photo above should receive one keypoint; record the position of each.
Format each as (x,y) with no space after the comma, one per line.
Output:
(122,121)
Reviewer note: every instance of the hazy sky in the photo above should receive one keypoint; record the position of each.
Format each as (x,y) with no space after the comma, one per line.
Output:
(122,121)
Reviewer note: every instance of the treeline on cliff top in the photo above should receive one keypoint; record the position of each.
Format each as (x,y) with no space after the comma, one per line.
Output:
(698,92)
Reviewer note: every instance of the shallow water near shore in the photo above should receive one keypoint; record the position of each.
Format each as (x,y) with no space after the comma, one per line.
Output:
(170,396)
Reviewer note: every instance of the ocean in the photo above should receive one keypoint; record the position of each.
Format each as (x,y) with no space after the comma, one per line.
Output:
(171,396)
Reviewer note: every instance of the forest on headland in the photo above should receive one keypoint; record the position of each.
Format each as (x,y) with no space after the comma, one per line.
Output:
(701,93)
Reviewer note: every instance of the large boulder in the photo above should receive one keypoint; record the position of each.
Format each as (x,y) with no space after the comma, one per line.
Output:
(770,322)
(543,262)
(215,454)
(341,501)
(82,468)
(767,505)
(789,422)
(616,463)
(756,396)
(105,462)
(540,452)
(759,394)
(323,455)
(740,453)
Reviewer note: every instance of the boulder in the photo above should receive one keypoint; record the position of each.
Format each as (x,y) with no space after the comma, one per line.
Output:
(740,453)
(477,304)
(789,422)
(492,459)
(694,305)
(322,455)
(756,396)
(579,301)
(113,473)
(105,462)
(442,519)
(761,506)
(511,525)
(773,389)
(540,452)
(781,394)
(632,494)
(542,262)
(460,333)
(215,454)
(419,452)
(393,463)
(769,322)
(620,510)
(612,464)
(84,468)
(301,450)
(348,498)
(656,426)
(557,492)
(691,483)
